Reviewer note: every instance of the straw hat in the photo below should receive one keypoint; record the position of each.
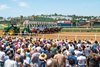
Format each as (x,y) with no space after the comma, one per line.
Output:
(43,56)
(18,51)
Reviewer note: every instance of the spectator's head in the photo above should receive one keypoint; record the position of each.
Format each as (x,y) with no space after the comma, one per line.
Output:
(67,47)
(75,42)
(88,42)
(73,53)
(76,47)
(54,45)
(63,50)
(59,51)
(52,55)
(96,42)
(79,41)
(11,53)
(58,47)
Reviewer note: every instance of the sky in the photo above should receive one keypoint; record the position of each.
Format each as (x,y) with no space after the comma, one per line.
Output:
(15,8)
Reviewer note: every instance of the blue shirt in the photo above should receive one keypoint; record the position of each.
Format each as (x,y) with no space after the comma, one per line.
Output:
(42,63)
(74,58)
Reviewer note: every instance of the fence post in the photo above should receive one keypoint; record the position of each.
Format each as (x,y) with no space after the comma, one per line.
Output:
(58,36)
(95,37)
(43,36)
(75,37)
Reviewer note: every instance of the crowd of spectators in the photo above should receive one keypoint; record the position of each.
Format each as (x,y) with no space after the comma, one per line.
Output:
(42,52)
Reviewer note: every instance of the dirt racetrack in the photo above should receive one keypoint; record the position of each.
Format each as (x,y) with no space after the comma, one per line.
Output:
(66,35)
(72,35)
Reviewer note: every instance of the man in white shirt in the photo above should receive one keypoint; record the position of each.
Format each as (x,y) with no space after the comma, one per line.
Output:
(71,47)
(76,51)
(10,62)
(2,55)
(81,61)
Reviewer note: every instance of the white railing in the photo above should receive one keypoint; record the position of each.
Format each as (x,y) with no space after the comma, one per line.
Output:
(58,36)
(94,37)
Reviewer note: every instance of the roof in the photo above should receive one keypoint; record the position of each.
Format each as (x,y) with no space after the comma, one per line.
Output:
(35,22)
